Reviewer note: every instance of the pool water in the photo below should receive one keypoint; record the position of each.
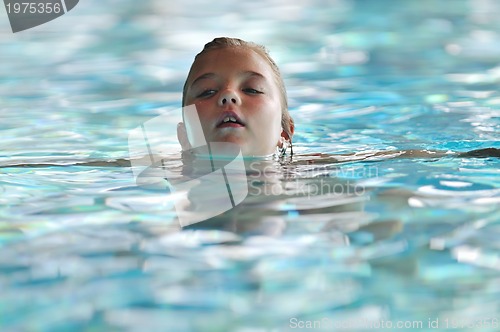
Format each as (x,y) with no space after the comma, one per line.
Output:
(322,242)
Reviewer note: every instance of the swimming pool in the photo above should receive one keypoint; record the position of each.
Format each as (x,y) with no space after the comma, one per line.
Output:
(83,248)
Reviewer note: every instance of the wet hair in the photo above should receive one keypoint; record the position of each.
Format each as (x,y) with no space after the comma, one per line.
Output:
(226,42)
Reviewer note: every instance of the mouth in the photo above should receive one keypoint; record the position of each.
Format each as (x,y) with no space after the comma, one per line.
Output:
(230,120)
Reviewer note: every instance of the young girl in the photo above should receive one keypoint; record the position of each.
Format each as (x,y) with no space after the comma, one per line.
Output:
(240,97)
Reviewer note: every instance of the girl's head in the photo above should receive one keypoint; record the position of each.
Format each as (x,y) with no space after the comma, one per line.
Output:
(240,97)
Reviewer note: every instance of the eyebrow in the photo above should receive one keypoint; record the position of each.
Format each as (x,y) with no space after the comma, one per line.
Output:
(205,76)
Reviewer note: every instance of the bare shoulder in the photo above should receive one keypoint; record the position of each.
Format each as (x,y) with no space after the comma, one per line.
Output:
(481,153)
(322,158)
(121,162)
(313,158)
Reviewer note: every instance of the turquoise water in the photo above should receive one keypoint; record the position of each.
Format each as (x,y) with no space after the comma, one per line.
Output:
(83,248)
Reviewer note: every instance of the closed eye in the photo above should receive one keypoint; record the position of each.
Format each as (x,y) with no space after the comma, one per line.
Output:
(252,91)
(206,93)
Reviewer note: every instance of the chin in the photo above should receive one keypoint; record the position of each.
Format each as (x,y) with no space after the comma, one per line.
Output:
(230,139)
(248,152)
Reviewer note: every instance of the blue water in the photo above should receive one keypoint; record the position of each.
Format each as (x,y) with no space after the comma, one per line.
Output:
(83,248)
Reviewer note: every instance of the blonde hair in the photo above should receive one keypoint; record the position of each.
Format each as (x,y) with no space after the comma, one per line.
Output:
(223,42)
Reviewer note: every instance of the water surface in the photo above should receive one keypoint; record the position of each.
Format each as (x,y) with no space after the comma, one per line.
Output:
(84,248)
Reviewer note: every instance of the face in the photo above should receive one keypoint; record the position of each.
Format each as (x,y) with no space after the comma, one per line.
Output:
(237,99)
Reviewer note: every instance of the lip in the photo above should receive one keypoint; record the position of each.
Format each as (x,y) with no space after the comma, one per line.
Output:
(222,124)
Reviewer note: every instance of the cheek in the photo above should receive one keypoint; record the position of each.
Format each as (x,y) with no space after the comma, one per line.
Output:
(272,114)
(204,109)
(267,108)
(204,116)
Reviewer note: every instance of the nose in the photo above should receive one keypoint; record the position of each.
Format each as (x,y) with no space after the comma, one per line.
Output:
(229,97)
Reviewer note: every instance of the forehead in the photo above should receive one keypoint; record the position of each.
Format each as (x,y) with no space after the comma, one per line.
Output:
(229,59)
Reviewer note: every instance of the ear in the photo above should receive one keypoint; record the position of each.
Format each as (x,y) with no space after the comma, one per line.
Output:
(292,129)
(182,137)
(284,135)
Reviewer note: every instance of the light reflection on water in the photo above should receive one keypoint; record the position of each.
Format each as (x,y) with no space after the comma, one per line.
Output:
(84,247)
